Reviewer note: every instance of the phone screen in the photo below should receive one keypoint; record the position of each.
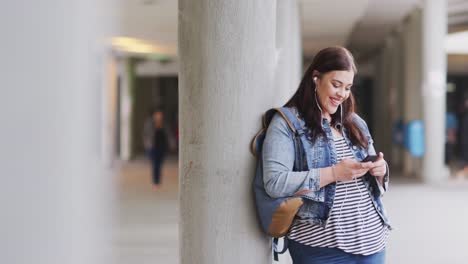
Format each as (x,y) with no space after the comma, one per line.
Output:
(370,158)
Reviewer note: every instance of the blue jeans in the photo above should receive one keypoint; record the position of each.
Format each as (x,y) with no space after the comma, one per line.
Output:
(157,158)
(302,254)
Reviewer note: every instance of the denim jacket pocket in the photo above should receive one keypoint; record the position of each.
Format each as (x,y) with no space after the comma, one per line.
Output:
(312,210)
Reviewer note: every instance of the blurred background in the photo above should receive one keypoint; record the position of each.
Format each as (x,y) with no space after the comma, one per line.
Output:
(88,87)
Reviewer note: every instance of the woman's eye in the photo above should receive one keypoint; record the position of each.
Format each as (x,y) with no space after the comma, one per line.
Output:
(336,85)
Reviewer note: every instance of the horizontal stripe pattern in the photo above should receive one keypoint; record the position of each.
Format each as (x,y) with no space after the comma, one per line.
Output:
(354,225)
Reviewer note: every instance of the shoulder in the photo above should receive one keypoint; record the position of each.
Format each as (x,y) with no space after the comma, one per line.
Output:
(278,123)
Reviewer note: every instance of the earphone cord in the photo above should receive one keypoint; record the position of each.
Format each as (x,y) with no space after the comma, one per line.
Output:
(346,188)
(363,221)
(318,105)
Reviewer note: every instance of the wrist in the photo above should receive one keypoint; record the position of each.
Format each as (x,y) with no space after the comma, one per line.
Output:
(326,176)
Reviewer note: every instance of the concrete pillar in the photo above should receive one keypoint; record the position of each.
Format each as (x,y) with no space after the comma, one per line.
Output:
(396,96)
(109,110)
(288,71)
(228,62)
(126,106)
(425,70)
(389,106)
(381,107)
(434,72)
(377,95)
(289,51)
(55,189)
(412,61)
(385,102)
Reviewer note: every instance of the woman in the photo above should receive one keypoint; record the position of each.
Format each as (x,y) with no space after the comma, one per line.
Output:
(342,219)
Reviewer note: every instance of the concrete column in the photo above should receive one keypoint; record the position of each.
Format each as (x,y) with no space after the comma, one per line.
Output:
(288,72)
(55,190)
(412,61)
(381,106)
(227,69)
(126,106)
(109,110)
(397,97)
(289,51)
(434,72)
(389,106)
(377,95)
(389,101)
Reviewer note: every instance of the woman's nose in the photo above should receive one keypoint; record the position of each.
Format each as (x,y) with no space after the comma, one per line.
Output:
(340,93)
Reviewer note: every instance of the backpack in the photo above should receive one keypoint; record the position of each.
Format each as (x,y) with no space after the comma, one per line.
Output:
(276,214)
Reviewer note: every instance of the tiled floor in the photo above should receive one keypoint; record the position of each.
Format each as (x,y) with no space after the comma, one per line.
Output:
(430,222)
(147,227)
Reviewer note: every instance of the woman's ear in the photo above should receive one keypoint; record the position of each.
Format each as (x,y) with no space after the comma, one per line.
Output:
(315,75)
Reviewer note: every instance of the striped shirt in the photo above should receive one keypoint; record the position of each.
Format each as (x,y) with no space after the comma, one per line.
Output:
(354,225)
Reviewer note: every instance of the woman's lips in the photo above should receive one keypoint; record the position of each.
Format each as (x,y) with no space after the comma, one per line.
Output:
(335,102)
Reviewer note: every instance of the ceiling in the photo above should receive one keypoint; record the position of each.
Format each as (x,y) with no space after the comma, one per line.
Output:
(359,24)
(457,13)
(328,23)
(380,18)
(153,22)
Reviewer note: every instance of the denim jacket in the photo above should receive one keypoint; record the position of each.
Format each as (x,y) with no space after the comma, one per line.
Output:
(281,181)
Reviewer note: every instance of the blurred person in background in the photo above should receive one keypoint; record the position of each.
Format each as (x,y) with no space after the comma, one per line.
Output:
(156,143)
(342,219)
(464,139)
(148,130)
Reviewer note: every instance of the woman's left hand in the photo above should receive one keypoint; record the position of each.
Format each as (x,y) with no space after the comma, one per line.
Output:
(379,166)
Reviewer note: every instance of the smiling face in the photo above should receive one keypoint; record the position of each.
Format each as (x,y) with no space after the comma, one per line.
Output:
(333,88)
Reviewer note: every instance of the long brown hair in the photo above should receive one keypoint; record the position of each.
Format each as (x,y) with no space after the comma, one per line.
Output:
(326,60)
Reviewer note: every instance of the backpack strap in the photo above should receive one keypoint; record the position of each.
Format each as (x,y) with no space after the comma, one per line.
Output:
(266,119)
(254,144)
(300,160)
(292,120)
(287,115)
(275,247)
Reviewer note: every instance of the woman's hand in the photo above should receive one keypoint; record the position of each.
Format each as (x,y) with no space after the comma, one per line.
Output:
(379,167)
(349,169)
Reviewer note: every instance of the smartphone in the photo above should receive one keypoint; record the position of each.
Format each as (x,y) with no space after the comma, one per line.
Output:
(372,158)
